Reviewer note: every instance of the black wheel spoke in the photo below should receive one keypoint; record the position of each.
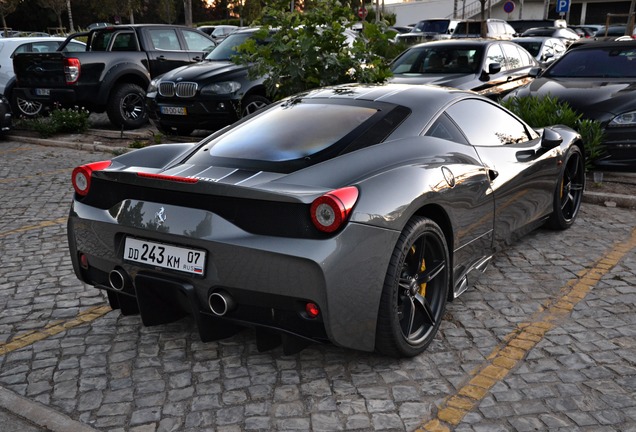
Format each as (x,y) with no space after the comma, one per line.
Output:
(408,316)
(430,273)
(423,309)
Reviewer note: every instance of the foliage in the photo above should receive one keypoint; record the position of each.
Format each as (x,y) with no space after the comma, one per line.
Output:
(539,112)
(309,50)
(60,120)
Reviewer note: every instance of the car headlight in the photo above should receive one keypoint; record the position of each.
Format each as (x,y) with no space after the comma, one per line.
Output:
(153,86)
(625,119)
(225,87)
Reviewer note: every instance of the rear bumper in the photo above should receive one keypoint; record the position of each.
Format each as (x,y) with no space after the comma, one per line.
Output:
(61,96)
(271,279)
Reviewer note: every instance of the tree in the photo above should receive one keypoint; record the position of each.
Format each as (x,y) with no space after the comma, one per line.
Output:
(309,50)
(57,6)
(7,7)
(167,10)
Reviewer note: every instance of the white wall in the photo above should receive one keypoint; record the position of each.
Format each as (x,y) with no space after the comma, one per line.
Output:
(412,12)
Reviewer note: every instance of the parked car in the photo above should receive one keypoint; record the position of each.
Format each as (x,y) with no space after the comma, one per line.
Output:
(495,29)
(566,34)
(348,215)
(598,80)
(583,31)
(614,31)
(490,67)
(544,49)
(207,95)
(428,29)
(9,47)
(522,25)
(114,71)
(218,32)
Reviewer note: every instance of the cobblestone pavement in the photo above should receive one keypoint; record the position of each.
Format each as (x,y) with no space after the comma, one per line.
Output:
(544,341)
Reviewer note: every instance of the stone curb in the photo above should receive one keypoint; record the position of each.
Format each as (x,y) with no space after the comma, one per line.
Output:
(40,415)
(610,200)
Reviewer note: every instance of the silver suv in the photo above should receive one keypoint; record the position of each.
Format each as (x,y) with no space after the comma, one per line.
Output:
(496,29)
(427,30)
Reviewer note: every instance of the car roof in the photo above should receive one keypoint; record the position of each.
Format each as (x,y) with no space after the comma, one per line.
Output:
(630,43)
(477,42)
(399,94)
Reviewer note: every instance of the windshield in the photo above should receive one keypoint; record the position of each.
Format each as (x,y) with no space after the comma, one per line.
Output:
(436,60)
(532,47)
(619,62)
(226,49)
(464,28)
(432,26)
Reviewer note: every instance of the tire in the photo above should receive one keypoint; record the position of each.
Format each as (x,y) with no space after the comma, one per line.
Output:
(26,108)
(410,313)
(569,191)
(126,106)
(253,103)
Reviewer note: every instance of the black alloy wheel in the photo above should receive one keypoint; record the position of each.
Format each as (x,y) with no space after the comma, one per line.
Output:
(569,192)
(253,103)
(415,290)
(127,106)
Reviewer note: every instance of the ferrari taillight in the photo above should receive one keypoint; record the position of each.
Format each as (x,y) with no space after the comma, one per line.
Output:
(81,176)
(72,68)
(331,210)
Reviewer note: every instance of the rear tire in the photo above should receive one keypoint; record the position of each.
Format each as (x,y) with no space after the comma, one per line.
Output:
(415,290)
(25,108)
(126,106)
(569,191)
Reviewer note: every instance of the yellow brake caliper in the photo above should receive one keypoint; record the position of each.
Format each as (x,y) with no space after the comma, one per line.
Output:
(422,268)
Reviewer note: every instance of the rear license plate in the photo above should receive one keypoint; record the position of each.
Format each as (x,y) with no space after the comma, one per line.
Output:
(165,256)
(43,92)
(168,110)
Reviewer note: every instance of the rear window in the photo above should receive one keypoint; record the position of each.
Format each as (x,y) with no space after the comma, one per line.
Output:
(610,62)
(299,133)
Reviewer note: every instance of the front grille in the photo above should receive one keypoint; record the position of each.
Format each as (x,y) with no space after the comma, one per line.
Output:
(182,89)
(186,89)
(166,89)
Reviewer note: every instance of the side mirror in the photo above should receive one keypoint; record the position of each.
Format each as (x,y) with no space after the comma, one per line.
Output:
(494,68)
(534,72)
(550,139)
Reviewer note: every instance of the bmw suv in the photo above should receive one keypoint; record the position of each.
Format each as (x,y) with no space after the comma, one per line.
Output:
(208,95)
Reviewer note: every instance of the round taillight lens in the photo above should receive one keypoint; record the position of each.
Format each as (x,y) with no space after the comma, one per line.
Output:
(330,211)
(312,310)
(81,176)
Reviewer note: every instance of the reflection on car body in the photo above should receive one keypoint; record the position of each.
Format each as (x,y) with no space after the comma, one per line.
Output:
(347,215)
(544,49)
(489,67)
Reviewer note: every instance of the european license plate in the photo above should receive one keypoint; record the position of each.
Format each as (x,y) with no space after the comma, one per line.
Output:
(165,256)
(43,92)
(168,110)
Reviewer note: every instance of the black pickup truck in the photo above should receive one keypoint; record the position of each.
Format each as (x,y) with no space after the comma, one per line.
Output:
(112,75)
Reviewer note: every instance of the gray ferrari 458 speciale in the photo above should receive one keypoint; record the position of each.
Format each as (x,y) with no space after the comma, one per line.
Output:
(348,215)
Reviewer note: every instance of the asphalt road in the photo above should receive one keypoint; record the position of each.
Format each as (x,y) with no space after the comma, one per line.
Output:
(544,341)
